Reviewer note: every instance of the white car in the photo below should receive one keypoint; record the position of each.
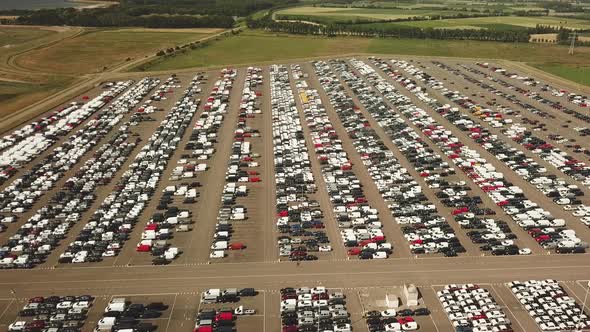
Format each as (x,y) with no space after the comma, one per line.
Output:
(217,254)
(524,251)
(325,248)
(17,326)
(388,313)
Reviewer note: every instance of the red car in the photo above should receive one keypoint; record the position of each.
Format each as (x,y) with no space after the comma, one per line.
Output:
(354,251)
(143,248)
(236,246)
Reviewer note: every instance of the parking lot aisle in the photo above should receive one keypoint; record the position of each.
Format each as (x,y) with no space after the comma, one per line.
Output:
(354,304)
(95,313)
(5,306)
(428,192)
(523,237)
(531,191)
(267,202)
(145,129)
(184,240)
(252,231)
(211,201)
(182,316)
(370,189)
(272,315)
(338,250)
(553,126)
(577,290)
(510,312)
(438,319)
(521,317)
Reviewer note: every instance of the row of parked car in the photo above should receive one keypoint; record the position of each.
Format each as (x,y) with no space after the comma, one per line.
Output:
(495,235)
(238,171)
(549,184)
(298,214)
(36,238)
(574,98)
(562,193)
(423,226)
(473,308)
(567,164)
(121,315)
(23,192)
(26,143)
(110,225)
(394,320)
(549,305)
(359,223)
(53,314)
(510,198)
(313,310)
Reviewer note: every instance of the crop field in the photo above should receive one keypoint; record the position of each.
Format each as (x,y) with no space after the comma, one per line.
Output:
(264,47)
(332,14)
(479,22)
(92,52)
(37,62)
(15,36)
(381,190)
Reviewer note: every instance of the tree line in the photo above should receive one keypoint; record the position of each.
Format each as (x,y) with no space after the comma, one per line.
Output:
(148,13)
(502,35)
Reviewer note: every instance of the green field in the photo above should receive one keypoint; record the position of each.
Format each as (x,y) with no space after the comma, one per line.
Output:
(579,74)
(478,22)
(93,51)
(258,47)
(16,36)
(332,15)
(16,95)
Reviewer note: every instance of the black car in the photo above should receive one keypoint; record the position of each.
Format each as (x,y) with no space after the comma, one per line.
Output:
(150,314)
(156,306)
(247,292)
(406,312)
(422,312)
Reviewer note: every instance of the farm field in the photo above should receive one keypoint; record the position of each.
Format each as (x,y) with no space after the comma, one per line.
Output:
(97,51)
(41,61)
(579,74)
(333,14)
(340,14)
(354,177)
(14,36)
(483,22)
(263,47)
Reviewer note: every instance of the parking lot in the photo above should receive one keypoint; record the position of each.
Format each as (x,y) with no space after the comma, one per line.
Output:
(360,175)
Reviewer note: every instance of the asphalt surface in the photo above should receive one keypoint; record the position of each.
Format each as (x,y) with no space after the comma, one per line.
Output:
(364,282)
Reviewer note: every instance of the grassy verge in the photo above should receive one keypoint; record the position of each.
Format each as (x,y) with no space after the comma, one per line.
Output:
(253,47)
(95,51)
(15,95)
(258,47)
(575,73)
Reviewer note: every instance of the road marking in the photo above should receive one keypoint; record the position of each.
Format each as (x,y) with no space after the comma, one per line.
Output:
(171,311)
(507,307)
(6,309)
